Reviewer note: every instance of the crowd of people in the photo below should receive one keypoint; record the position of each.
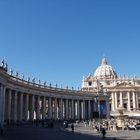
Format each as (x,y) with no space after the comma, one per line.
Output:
(111,124)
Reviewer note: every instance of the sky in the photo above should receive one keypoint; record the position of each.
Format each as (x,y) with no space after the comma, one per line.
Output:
(61,41)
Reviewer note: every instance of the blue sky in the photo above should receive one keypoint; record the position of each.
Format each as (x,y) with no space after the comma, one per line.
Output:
(61,41)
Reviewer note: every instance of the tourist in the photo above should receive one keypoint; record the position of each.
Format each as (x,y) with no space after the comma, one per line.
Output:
(103,132)
(72,127)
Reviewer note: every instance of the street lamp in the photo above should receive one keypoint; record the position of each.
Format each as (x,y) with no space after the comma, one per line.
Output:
(98,109)
(99,91)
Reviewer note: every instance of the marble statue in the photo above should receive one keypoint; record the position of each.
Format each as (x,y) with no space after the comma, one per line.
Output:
(45,83)
(22,76)
(11,71)
(16,74)
(28,78)
(2,63)
(39,82)
(33,81)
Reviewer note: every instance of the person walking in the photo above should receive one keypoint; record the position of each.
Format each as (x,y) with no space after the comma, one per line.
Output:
(103,132)
(72,127)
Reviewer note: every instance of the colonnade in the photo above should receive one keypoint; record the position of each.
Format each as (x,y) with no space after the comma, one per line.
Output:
(17,106)
(127,99)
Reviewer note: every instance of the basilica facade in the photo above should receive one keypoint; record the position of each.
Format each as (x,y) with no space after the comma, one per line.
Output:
(122,90)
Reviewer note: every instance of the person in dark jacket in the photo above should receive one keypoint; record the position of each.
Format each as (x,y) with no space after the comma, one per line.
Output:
(103,132)
(72,127)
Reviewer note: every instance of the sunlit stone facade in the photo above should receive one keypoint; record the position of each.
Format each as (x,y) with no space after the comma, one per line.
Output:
(122,90)
(26,100)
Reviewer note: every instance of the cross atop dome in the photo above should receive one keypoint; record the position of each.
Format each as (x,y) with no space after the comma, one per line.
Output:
(104,61)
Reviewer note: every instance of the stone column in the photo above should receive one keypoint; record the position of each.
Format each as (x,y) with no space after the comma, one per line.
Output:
(32,108)
(58,109)
(121,99)
(116,100)
(83,109)
(72,110)
(95,105)
(26,106)
(50,108)
(89,109)
(128,104)
(20,107)
(61,108)
(15,107)
(38,108)
(134,101)
(137,101)
(4,91)
(107,109)
(113,102)
(55,108)
(9,106)
(44,108)
(67,109)
(98,107)
(78,109)
(2,103)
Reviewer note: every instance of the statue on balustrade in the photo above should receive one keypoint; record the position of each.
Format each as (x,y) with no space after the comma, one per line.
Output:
(2,63)
(33,81)
(45,83)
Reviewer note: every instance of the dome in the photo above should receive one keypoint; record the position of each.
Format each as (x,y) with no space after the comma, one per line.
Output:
(105,71)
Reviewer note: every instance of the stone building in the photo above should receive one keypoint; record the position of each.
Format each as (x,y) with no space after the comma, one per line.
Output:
(123,91)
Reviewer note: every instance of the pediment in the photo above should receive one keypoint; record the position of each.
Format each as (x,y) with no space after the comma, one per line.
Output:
(124,85)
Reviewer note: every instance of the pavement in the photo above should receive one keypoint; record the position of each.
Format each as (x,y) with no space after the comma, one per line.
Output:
(119,135)
(58,133)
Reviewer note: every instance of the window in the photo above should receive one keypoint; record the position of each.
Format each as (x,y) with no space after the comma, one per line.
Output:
(125,106)
(90,83)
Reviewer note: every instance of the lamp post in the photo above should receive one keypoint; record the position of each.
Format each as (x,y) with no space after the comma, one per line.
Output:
(99,90)
(98,109)
(98,103)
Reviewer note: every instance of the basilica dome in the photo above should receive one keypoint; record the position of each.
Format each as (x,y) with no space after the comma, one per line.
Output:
(105,71)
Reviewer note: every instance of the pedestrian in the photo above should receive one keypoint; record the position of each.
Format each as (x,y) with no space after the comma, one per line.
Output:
(72,127)
(103,132)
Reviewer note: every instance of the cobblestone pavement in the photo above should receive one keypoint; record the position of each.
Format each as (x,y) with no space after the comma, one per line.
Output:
(58,133)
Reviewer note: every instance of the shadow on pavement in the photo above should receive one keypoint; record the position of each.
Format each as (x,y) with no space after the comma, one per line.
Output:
(34,133)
